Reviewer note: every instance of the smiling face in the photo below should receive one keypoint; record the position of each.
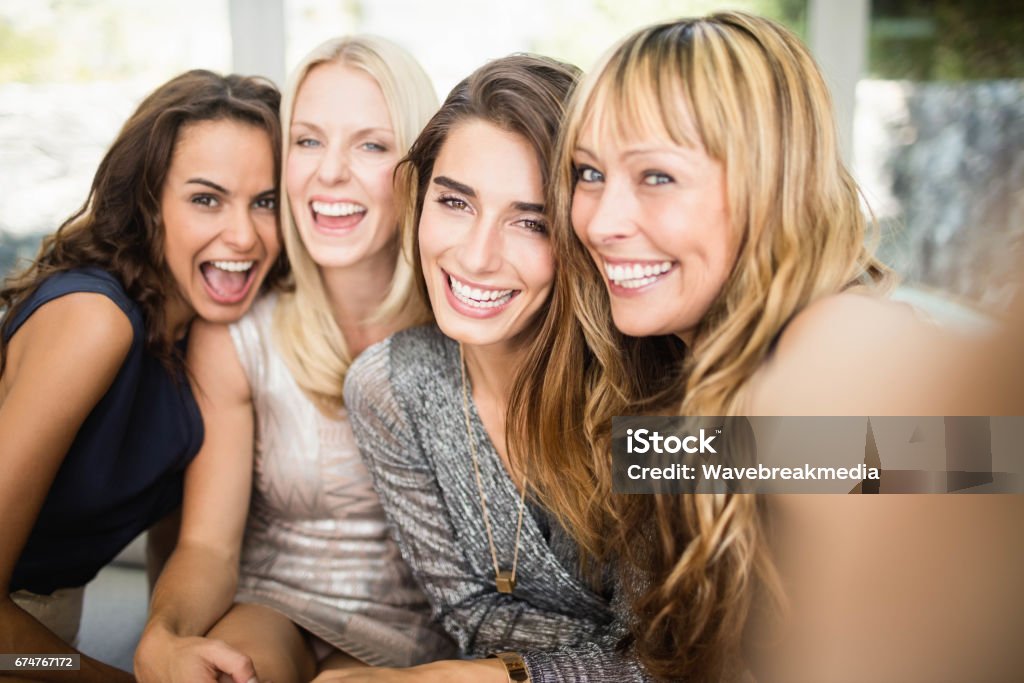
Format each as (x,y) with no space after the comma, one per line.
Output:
(483,238)
(654,216)
(218,211)
(339,165)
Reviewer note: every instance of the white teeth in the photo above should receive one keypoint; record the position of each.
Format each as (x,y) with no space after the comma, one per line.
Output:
(632,276)
(233,266)
(480,298)
(335,209)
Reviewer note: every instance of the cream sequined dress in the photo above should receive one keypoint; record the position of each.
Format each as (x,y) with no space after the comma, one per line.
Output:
(317,546)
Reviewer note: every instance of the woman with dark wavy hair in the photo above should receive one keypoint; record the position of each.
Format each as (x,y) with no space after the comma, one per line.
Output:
(97,416)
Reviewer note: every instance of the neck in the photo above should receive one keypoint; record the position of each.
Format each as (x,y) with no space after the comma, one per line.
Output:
(177,316)
(687,337)
(491,371)
(355,293)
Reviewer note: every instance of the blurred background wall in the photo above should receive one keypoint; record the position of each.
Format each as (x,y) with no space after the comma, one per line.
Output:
(929,94)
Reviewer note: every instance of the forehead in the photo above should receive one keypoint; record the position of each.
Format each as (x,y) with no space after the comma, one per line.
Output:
(234,154)
(495,162)
(218,142)
(333,93)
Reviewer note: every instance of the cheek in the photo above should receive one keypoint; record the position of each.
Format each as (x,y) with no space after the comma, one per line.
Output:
(382,181)
(297,171)
(545,270)
(430,239)
(582,210)
(174,233)
(270,235)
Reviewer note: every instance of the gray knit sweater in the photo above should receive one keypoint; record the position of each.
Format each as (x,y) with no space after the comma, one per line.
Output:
(404,400)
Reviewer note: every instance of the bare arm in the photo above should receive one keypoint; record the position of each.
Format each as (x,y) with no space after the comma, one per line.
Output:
(893,587)
(198,584)
(60,364)
(896,588)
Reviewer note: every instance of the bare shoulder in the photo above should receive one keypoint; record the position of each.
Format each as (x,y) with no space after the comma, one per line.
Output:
(846,322)
(850,353)
(82,328)
(62,360)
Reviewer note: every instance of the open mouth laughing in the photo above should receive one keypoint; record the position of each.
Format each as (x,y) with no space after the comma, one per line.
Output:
(336,215)
(228,282)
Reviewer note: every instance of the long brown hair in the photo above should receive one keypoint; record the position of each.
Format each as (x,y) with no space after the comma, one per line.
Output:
(118,228)
(758,104)
(522,93)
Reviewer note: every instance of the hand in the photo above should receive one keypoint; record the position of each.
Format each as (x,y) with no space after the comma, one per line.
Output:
(165,658)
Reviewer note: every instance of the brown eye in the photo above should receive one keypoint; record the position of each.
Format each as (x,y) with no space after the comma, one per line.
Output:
(534,225)
(207,200)
(453,202)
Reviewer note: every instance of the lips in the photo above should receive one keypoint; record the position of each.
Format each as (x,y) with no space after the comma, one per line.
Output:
(228,282)
(631,275)
(475,300)
(331,215)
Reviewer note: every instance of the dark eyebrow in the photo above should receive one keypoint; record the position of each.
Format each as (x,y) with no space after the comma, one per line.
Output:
(526,206)
(208,183)
(455,185)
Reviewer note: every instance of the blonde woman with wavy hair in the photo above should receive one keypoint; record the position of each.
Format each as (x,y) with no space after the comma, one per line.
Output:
(713,259)
(310,580)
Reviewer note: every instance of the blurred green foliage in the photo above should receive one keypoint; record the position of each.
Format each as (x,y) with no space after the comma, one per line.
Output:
(48,41)
(925,40)
(21,52)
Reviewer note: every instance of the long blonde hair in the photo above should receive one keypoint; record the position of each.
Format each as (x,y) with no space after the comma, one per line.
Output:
(757,103)
(304,327)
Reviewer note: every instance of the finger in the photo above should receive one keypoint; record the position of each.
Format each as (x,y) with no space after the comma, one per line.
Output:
(231,662)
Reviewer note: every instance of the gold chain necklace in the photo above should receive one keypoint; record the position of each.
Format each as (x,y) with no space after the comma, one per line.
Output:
(505,581)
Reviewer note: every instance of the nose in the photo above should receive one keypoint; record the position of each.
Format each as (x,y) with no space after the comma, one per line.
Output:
(335,167)
(240,232)
(608,217)
(482,246)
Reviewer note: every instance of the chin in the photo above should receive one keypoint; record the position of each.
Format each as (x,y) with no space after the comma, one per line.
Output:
(464,335)
(223,313)
(635,324)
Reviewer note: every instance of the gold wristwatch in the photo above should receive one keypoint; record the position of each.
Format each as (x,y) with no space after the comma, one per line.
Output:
(515,667)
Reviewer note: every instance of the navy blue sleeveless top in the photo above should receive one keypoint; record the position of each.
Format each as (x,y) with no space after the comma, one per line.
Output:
(125,468)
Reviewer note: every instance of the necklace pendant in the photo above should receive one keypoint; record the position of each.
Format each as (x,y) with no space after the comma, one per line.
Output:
(505,582)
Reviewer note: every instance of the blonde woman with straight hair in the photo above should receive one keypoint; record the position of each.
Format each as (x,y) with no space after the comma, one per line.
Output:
(713,259)
(320,584)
